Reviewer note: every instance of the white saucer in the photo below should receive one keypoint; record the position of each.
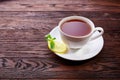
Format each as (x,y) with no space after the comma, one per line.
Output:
(91,49)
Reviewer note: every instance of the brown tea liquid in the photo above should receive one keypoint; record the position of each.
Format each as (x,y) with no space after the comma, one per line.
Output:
(76,28)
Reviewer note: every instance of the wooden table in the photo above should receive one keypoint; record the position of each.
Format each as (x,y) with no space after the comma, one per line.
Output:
(24,52)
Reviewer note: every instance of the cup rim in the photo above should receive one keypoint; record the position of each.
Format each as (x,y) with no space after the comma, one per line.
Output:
(88,21)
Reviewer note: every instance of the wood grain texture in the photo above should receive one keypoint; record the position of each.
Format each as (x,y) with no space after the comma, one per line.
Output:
(54,68)
(60,5)
(23,50)
(49,20)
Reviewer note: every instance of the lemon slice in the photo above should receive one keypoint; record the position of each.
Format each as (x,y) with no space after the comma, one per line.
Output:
(59,47)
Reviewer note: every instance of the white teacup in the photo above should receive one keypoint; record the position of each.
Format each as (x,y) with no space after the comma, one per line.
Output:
(76,42)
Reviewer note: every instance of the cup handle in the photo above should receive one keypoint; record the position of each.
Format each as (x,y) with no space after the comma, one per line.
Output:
(100,30)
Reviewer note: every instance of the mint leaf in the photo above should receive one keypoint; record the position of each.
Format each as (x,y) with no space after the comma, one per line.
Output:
(54,38)
(52,44)
(48,37)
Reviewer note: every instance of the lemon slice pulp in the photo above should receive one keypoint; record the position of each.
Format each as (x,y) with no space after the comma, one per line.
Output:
(59,47)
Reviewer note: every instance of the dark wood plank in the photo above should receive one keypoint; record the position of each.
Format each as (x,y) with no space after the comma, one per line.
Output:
(48,20)
(37,35)
(28,47)
(58,68)
(40,50)
(60,5)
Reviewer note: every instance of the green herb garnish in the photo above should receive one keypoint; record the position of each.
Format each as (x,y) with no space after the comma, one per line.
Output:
(49,38)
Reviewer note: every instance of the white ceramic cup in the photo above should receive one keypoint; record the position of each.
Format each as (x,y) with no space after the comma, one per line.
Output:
(76,42)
